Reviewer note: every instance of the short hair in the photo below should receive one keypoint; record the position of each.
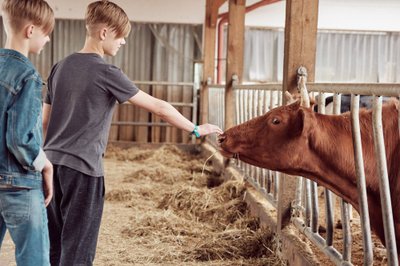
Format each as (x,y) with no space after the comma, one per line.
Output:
(110,14)
(37,12)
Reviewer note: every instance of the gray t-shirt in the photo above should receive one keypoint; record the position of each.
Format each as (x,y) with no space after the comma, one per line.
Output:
(83,90)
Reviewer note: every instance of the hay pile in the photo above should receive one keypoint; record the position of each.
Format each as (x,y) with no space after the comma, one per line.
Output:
(161,209)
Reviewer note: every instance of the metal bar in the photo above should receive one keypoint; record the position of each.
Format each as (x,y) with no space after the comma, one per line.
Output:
(386,89)
(262,181)
(308,201)
(122,123)
(345,208)
(331,252)
(298,194)
(329,217)
(196,89)
(266,86)
(346,230)
(362,190)
(139,82)
(174,104)
(276,184)
(216,86)
(315,207)
(268,196)
(328,194)
(242,117)
(337,103)
(380,155)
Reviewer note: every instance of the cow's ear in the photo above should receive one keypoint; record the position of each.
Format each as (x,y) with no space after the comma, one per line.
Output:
(298,122)
(294,106)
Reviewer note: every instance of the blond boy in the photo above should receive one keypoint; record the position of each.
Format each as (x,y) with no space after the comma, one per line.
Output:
(25,173)
(82,92)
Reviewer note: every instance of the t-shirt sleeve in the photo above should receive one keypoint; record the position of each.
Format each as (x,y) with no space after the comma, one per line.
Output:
(48,95)
(119,85)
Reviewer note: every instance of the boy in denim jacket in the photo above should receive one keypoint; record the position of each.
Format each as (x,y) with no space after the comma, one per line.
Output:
(26,175)
(82,91)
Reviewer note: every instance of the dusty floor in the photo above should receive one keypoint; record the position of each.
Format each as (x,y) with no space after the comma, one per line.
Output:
(166,207)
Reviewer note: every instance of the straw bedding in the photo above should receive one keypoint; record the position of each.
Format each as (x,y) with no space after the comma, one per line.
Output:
(163,208)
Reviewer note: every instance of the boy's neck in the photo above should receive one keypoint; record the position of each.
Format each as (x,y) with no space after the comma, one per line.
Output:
(92,46)
(17,44)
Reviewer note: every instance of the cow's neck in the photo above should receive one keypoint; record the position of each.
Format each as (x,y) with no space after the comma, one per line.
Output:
(331,145)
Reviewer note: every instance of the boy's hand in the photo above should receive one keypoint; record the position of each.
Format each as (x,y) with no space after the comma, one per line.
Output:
(47,174)
(207,129)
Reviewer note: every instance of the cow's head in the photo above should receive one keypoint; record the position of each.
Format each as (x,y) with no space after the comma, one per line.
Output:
(274,140)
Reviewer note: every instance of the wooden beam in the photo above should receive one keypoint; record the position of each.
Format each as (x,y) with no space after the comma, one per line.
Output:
(300,50)
(300,41)
(216,4)
(234,58)
(209,41)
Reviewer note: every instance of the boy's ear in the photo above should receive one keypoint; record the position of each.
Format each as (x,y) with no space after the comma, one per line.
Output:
(103,34)
(29,30)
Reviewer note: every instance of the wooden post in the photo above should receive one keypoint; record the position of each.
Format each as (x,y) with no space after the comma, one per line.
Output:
(210,25)
(300,50)
(300,41)
(234,57)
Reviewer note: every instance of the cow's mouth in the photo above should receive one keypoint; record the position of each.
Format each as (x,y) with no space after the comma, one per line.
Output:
(240,157)
(229,154)
(223,151)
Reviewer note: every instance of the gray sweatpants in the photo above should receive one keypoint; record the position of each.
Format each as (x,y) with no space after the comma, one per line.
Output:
(74,216)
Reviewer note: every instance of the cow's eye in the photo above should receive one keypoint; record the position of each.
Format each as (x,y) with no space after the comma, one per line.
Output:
(275,121)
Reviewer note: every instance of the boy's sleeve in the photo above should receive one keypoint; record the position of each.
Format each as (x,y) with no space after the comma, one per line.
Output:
(24,130)
(119,85)
(47,97)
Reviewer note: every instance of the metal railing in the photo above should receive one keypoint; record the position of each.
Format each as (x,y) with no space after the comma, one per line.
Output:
(251,101)
(254,100)
(194,86)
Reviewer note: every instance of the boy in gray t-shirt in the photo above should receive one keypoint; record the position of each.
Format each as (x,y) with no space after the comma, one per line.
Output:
(77,113)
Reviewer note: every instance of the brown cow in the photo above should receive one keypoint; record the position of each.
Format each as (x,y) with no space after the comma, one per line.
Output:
(297,141)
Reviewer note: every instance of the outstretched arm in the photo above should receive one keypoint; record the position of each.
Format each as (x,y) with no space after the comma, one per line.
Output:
(169,114)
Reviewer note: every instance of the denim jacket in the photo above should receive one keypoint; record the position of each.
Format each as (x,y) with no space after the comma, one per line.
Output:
(21,156)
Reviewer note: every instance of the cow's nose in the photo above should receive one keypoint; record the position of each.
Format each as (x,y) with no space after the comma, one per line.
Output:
(221,138)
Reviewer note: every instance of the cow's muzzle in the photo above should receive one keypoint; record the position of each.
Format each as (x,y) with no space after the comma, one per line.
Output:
(223,150)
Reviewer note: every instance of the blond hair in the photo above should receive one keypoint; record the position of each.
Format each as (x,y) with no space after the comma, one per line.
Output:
(37,12)
(109,14)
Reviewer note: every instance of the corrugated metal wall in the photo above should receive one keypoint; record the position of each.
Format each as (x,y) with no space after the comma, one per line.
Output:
(341,56)
(154,52)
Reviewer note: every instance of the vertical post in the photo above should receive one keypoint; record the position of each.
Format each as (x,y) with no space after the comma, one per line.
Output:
(209,37)
(209,30)
(234,62)
(300,41)
(300,50)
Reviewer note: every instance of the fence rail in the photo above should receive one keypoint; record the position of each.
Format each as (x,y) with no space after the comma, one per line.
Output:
(164,85)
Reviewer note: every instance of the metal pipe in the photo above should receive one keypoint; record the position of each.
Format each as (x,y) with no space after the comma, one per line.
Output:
(345,208)
(315,207)
(387,89)
(346,231)
(331,252)
(362,190)
(380,155)
(166,83)
(307,195)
